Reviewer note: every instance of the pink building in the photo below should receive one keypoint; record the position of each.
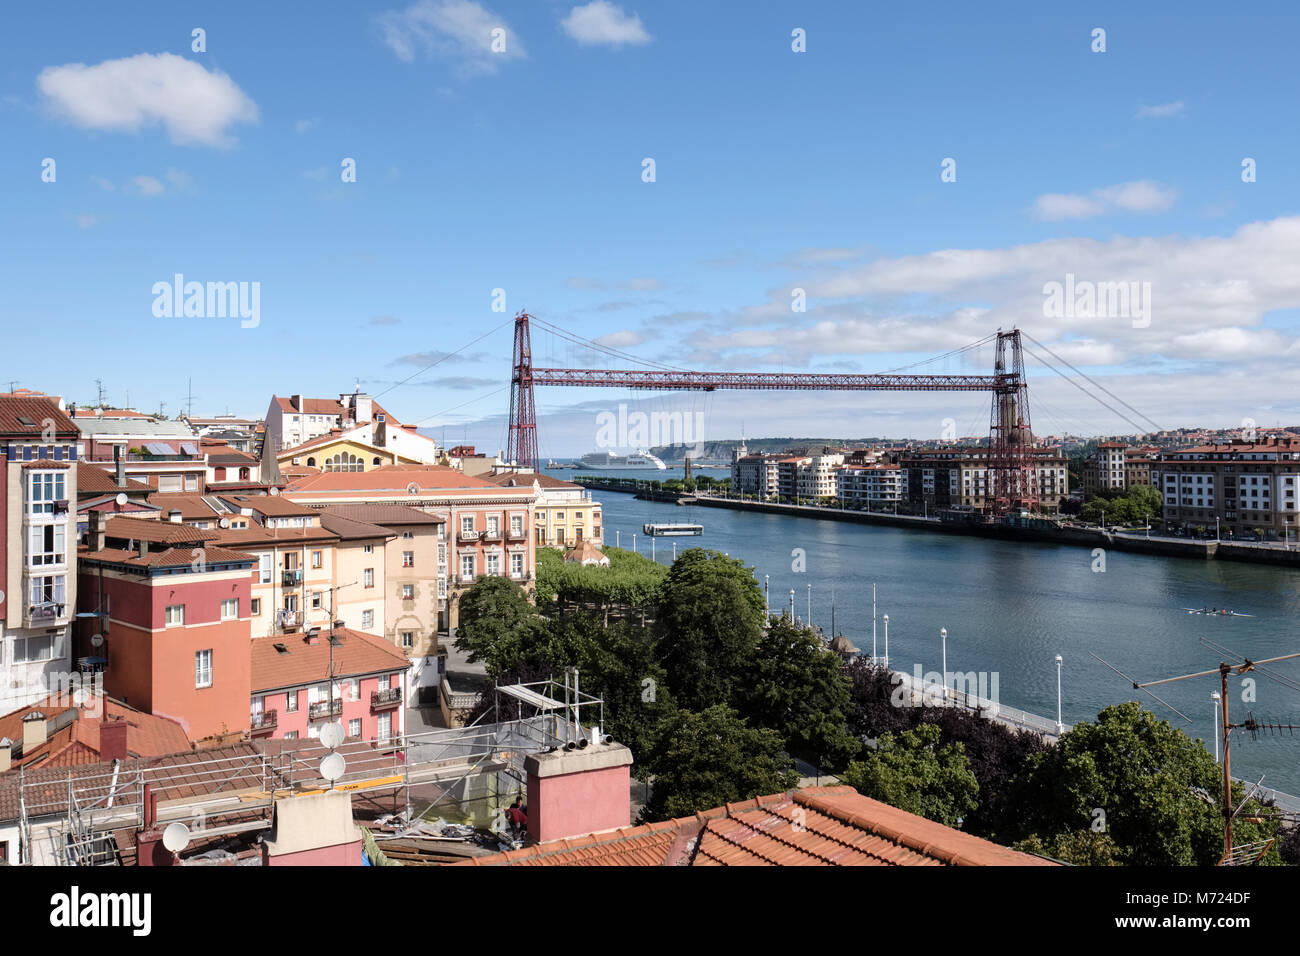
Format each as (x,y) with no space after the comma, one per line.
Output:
(293,694)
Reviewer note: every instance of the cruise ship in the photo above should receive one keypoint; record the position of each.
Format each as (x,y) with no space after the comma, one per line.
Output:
(608,461)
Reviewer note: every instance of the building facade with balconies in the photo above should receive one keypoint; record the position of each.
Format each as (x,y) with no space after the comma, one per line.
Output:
(294,695)
(38,560)
(565,514)
(1245,485)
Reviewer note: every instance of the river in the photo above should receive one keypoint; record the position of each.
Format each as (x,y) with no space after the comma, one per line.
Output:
(1011,608)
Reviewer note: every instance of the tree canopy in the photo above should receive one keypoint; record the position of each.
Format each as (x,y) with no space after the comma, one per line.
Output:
(915,772)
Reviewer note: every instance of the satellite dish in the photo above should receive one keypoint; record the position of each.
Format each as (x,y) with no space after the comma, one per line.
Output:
(224,523)
(331,735)
(274,491)
(97,640)
(332,767)
(121,498)
(176,837)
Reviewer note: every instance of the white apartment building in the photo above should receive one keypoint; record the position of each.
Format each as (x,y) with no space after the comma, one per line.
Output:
(869,484)
(296,419)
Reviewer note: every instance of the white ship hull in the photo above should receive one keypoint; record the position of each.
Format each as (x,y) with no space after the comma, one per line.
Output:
(611,462)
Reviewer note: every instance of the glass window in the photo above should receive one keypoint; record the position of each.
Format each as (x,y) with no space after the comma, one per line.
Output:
(367,620)
(255,606)
(354,727)
(264,565)
(467,566)
(230,609)
(467,524)
(517,565)
(316,559)
(291,701)
(174,615)
(408,559)
(203,668)
(408,592)
(408,638)
(368,576)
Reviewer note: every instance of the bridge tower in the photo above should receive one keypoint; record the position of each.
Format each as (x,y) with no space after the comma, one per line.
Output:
(1010,478)
(521,441)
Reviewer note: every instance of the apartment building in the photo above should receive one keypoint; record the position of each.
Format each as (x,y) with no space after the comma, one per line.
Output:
(38,563)
(297,419)
(565,514)
(756,475)
(167,618)
(489,527)
(871,485)
(1105,469)
(1244,484)
(934,479)
(302,682)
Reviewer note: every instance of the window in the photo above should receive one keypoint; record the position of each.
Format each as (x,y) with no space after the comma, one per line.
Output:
(367,620)
(385,725)
(517,565)
(315,600)
(354,727)
(291,602)
(291,735)
(291,702)
(170,483)
(467,567)
(255,606)
(191,483)
(408,638)
(174,615)
(354,688)
(408,535)
(493,524)
(230,609)
(368,577)
(203,668)
(493,564)
(48,545)
(264,565)
(44,489)
(467,524)
(45,647)
(384,681)
(408,559)
(516,524)
(315,559)
(408,592)
(368,549)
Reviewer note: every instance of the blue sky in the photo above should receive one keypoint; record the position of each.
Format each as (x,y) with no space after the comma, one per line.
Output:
(775,170)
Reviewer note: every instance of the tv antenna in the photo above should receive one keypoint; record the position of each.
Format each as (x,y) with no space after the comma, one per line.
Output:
(1248,853)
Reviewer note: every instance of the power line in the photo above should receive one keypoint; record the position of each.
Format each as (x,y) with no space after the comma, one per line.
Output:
(1154,424)
(444,358)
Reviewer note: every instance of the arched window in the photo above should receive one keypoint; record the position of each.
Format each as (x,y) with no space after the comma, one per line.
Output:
(377,462)
(311,462)
(344,461)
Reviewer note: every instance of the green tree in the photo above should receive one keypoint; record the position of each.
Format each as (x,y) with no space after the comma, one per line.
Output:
(1079,847)
(706,759)
(1152,789)
(917,773)
(707,626)
(799,689)
(500,627)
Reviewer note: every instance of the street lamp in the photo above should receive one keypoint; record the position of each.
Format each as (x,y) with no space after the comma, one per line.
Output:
(1216,527)
(809,621)
(943,633)
(1103,519)
(1216,698)
(1148,517)
(767,596)
(792,605)
(1060,727)
(886,620)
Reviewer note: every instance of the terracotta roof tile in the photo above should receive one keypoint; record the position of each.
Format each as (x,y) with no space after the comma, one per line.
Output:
(155,532)
(357,653)
(385,515)
(91,480)
(13,411)
(78,742)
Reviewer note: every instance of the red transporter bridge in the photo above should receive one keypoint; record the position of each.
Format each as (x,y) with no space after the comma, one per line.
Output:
(1010,446)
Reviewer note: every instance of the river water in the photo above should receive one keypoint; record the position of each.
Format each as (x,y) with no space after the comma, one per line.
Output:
(1011,608)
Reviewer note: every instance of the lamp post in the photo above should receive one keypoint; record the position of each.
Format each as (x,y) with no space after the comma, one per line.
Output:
(792,605)
(943,633)
(1103,519)
(616,542)
(809,621)
(1216,698)
(1148,517)
(886,620)
(1216,527)
(1060,727)
(767,597)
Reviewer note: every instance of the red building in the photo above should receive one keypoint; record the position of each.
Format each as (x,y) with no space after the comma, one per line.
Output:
(174,614)
(294,695)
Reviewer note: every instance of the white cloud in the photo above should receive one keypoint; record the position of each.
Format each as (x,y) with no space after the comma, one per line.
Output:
(148,186)
(1162,111)
(621,339)
(195,105)
(178,178)
(603,24)
(456,30)
(102,183)
(1141,196)
(87,221)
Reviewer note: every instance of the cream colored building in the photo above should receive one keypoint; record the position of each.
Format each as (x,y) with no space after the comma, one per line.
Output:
(564,514)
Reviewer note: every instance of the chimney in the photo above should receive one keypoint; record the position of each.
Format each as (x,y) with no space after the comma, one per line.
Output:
(112,740)
(174,516)
(119,466)
(33,731)
(575,792)
(296,402)
(6,754)
(98,530)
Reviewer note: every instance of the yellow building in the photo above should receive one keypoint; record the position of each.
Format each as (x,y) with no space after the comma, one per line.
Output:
(337,452)
(565,514)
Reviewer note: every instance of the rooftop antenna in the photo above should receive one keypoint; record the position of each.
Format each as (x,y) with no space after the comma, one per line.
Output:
(99,388)
(1251,725)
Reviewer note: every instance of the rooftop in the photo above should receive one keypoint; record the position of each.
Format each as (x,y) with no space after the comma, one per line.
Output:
(76,739)
(817,826)
(299,663)
(25,418)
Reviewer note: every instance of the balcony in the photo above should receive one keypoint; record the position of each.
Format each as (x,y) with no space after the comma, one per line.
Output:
(492,534)
(293,578)
(516,535)
(325,708)
(45,613)
(467,536)
(263,722)
(385,699)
